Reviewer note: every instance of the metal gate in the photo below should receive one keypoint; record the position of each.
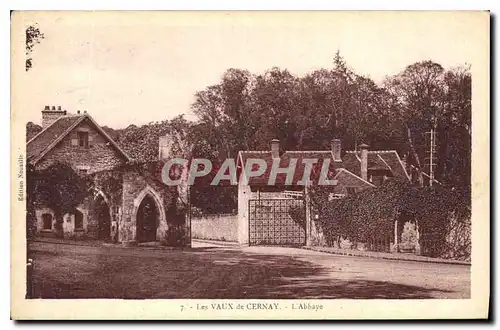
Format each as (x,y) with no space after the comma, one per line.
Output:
(277,222)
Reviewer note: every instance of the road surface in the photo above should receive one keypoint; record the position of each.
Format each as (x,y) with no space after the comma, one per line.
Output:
(210,271)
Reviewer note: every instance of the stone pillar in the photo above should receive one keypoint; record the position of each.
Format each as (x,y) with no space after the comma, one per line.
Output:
(183,205)
(417,244)
(114,231)
(307,199)
(394,247)
(126,227)
(244,195)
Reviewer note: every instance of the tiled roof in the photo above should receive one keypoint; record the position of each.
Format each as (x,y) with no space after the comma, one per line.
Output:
(42,140)
(377,160)
(341,171)
(285,162)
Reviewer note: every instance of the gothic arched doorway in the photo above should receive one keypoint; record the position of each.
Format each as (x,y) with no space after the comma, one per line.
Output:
(147,220)
(78,220)
(103,219)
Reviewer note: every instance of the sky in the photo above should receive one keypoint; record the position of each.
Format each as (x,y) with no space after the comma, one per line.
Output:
(137,67)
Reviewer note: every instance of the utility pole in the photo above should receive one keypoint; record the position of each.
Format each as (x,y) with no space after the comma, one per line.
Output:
(431,158)
(432,153)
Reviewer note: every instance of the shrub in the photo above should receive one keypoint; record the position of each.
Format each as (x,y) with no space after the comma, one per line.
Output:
(57,187)
(442,214)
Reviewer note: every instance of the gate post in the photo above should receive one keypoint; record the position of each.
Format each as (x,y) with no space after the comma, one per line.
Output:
(394,247)
(29,279)
(417,244)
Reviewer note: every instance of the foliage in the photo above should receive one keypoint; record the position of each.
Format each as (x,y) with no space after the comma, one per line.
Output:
(425,96)
(33,37)
(245,111)
(110,183)
(32,129)
(442,215)
(176,236)
(298,214)
(141,143)
(31,224)
(57,187)
(214,199)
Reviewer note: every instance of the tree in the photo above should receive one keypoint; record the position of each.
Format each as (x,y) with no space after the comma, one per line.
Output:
(33,37)
(418,91)
(32,129)
(454,129)
(141,143)
(427,97)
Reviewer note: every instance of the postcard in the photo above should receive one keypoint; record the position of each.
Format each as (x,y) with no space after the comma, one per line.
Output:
(190,165)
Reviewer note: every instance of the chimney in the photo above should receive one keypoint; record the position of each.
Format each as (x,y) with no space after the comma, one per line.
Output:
(337,149)
(50,115)
(364,161)
(275,148)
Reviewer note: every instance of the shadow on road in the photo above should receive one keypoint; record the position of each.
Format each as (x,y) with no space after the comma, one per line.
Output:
(282,277)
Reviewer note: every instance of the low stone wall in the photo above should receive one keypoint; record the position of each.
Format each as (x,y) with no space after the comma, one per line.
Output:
(223,227)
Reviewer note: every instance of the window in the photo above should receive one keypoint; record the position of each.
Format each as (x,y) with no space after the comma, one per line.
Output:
(83,139)
(47,221)
(78,220)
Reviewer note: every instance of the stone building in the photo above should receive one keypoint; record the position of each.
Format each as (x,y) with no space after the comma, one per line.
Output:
(127,201)
(364,168)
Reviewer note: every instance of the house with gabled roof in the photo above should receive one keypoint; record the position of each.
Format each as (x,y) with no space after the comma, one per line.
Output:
(75,139)
(127,202)
(363,168)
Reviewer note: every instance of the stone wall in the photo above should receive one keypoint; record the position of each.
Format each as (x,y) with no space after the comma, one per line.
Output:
(222,227)
(69,230)
(39,219)
(122,191)
(137,186)
(68,224)
(99,156)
